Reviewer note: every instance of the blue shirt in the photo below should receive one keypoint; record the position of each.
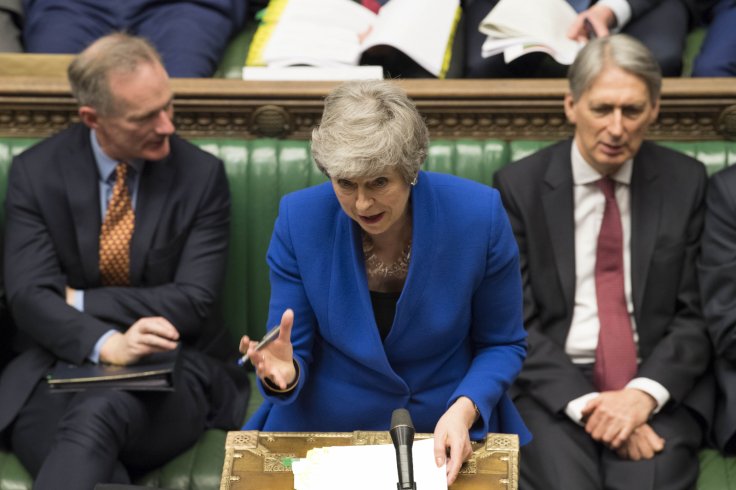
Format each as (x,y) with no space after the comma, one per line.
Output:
(106,171)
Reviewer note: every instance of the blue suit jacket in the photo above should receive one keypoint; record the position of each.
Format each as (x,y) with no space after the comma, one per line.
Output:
(458,328)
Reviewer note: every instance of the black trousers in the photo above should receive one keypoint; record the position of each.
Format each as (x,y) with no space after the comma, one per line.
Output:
(76,440)
(563,456)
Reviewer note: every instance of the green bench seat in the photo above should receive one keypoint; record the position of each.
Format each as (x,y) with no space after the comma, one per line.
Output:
(260,172)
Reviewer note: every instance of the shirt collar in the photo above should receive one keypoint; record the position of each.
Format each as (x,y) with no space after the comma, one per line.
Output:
(106,165)
(584,173)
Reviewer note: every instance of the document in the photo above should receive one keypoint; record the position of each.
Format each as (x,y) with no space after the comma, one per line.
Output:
(334,33)
(312,73)
(519,27)
(365,468)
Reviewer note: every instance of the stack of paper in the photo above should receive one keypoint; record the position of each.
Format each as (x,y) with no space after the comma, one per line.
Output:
(365,468)
(337,33)
(518,27)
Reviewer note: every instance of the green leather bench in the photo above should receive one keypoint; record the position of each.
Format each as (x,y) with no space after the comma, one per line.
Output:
(260,172)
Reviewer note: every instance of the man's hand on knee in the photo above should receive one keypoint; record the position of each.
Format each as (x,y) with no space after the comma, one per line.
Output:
(146,336)
(612,417)
(643,443)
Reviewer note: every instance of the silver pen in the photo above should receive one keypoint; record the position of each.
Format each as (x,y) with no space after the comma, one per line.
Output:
(267,339)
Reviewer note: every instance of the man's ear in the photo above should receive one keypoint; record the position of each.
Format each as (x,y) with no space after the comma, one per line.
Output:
(655,112)
(569,104)
(88,115)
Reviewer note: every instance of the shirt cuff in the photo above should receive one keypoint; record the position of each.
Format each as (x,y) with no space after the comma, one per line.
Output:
(621,10)
(574,409)
(78,299)
(653,389)
(95,354)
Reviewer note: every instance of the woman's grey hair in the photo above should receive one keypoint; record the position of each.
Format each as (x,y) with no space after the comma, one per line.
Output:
(619,50)
(88,72)
(367,128)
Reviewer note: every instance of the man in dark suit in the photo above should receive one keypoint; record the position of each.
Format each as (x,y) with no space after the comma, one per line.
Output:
(115,247)
(608,228)
(717,267)
(662,25)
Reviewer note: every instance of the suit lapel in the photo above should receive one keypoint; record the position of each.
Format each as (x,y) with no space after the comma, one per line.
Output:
(423,256)
(82,185)
(153,192)
(559,213)
(351,323)
(646,200)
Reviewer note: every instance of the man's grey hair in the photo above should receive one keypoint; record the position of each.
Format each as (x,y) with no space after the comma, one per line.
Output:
(88,72)
(367,128)
(618,50)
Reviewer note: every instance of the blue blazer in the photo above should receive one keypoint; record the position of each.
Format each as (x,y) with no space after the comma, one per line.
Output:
(458,328)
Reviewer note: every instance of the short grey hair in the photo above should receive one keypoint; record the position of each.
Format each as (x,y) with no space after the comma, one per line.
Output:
(618,50)
(367,128)
(88,72)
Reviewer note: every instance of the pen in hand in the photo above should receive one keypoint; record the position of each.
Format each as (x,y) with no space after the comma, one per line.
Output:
(267,339)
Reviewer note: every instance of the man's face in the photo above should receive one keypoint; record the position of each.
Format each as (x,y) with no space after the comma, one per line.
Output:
(141,122)
(611,118)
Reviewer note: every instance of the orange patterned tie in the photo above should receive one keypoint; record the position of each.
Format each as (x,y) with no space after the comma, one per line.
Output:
(116,232)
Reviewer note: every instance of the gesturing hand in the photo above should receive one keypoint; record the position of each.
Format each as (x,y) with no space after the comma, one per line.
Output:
(146,336)
(276,360)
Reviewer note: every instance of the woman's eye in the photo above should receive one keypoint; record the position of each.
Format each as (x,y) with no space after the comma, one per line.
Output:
(380,182)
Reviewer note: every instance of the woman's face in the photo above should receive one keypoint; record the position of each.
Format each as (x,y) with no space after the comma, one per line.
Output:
(379,204)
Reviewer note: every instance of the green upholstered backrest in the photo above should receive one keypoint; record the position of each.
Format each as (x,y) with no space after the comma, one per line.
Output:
(261,171)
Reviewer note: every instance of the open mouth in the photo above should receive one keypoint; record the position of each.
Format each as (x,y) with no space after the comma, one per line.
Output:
(375,218)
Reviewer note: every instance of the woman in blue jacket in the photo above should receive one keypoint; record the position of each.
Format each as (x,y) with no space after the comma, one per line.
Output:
(393,287)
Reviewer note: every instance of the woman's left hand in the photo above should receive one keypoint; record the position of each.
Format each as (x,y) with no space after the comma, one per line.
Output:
(451,433)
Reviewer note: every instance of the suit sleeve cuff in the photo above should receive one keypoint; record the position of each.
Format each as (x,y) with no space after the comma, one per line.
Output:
(621,10)
(94,356)
(574,409)
(78,300)
(653,389)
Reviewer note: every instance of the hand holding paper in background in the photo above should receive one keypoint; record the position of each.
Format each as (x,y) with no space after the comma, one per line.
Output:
(338,33)
(519,27)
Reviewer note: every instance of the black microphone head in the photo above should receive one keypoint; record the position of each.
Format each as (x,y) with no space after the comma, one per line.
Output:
(400,417)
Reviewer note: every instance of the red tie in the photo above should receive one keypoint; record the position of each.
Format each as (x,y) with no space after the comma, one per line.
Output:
(615,356)
(372,5)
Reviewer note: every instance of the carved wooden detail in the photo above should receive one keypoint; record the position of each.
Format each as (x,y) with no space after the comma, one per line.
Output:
(691,109)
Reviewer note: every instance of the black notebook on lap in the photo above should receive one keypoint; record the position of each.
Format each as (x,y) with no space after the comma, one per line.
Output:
(156,372)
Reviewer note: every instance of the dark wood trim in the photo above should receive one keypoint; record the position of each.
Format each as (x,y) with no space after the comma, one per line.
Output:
(691,109)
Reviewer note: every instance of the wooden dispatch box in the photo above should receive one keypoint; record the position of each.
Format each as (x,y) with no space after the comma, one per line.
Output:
(254,460)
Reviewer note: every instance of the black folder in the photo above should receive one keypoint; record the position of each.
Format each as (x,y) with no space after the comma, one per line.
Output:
(156,372)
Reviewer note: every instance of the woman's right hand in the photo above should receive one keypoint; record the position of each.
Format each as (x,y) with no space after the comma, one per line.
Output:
(275,361)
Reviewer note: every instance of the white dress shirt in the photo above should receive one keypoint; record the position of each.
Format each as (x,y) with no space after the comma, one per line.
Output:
(582,339)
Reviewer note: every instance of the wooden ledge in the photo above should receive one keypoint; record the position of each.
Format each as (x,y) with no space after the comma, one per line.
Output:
(692,109)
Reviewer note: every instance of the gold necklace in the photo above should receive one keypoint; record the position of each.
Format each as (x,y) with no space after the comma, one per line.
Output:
(376,268)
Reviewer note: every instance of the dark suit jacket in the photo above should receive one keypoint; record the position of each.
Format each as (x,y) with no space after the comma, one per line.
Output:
(667,190)
(178,254)
(718,287)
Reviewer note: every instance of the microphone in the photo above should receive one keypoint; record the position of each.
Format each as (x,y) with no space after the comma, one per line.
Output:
(402,435)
